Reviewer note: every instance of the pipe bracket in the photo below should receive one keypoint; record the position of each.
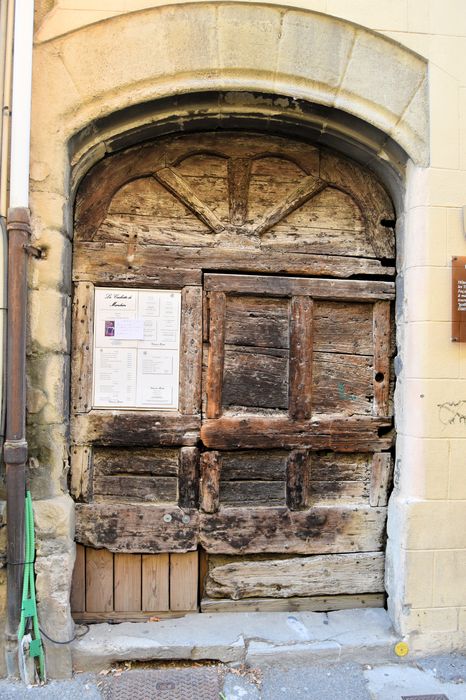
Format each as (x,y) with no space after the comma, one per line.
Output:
(15,451)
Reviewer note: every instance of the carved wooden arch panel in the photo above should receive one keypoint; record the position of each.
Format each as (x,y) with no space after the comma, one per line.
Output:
(236,193)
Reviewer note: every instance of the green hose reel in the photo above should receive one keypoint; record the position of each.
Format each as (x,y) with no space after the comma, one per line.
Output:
(30,642)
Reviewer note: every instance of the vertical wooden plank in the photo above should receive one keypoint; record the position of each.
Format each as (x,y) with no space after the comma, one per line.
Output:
(78,584)
(99,580)
(210,481)
(300,384)
(82,339)
(191,350)
(239,173)
(381,336)
(127,582)
(216,354)
(184,572)
(81,471)
(381,474)
(189,477)
(297,480)
(155,582)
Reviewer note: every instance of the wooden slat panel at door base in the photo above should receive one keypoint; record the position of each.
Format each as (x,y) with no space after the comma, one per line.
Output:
(99,580)
(127,582)
(184,572)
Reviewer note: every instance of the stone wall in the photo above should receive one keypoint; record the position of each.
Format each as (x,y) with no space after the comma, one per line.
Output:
(94,59)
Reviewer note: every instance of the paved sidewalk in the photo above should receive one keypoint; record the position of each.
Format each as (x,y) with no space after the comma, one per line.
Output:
(294,679)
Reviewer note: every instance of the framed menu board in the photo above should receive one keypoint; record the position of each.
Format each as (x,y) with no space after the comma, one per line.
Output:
(136,348)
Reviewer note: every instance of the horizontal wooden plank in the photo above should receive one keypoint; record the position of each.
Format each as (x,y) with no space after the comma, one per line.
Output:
(352,290)
(341,434)
(344,327)
(259,464)
(129,487)
(146,529)
(314,604)
(318,530)
(104,262)
(342,383)
(148,462)
(255,377)
(115,617)
(299,576)
(256,321)
(252,493)
(138,428)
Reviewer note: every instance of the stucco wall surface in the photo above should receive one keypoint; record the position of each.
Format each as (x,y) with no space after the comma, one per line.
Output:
(399,66)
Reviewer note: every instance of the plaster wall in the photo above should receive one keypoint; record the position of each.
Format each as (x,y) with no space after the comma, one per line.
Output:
(92,59)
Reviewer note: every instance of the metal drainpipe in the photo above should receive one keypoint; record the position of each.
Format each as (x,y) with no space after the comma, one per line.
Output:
(18,226)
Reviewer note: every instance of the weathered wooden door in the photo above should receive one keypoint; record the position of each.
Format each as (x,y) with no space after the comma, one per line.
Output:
(277,461)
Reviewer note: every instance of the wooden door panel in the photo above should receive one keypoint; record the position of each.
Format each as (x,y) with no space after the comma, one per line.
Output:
(134,527)
(329,529)
(281,441)
(255,377)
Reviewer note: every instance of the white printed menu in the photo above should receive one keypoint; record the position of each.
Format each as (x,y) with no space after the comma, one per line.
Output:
(136,348)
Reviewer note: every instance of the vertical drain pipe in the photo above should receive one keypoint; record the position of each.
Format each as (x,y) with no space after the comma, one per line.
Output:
(18,227)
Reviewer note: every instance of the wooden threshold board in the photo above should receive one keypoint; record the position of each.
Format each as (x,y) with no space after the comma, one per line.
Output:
(314,604)
(115,617)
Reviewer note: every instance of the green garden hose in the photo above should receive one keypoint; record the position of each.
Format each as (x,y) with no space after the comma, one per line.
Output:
(29,623)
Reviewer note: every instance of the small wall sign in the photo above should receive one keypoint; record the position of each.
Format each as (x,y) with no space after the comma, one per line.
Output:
(136,348)
(458,299)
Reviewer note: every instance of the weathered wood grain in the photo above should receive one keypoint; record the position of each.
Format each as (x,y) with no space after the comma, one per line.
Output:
(210,481)
(252,493)
(239,173)
(297,480)
(301,346)
(190,351)
(124,488)
(342,434)
(82,326)
(135,428)
(169,266)
(320,529)
(305,190)
(136,528)
(189,477)
(255,377)
(314,604)
(215,359)
(257,322)
(381,475)
(262,465)
(299,576)
(177,185)
(81,472)
(381,358)
(350,290)
(343,327)
(342,383)
(142,462)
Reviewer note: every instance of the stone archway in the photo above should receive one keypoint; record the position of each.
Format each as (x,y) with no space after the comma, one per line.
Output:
(95,103)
